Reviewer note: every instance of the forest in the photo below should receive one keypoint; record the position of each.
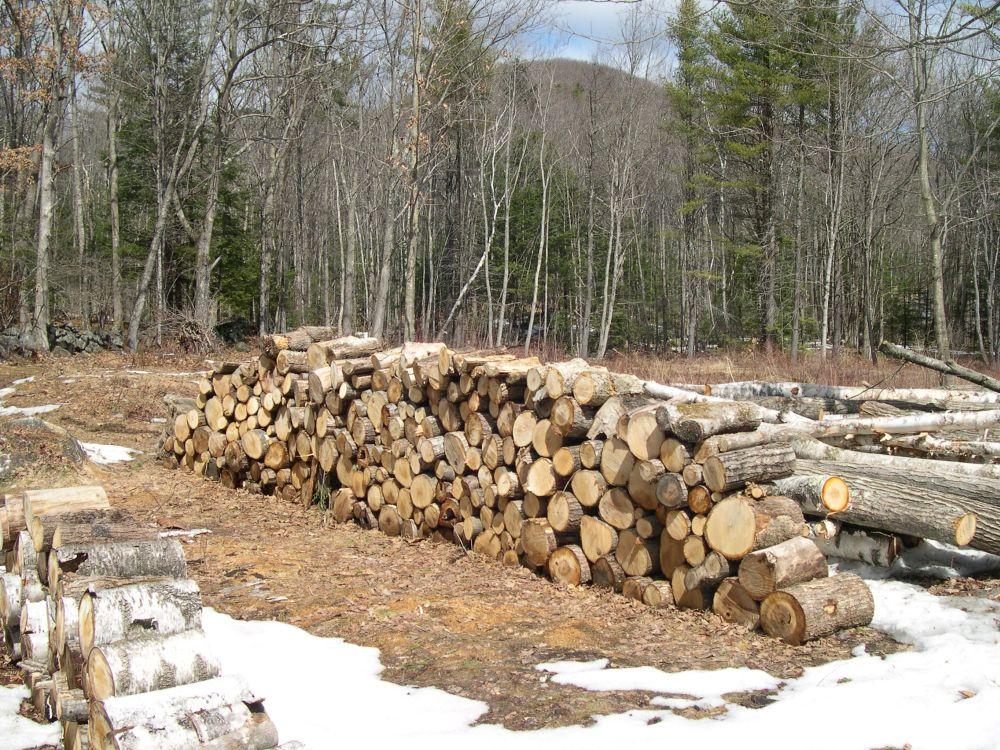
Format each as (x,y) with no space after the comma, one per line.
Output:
(784,174)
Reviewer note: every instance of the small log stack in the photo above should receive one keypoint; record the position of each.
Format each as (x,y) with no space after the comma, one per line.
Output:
(582,474)
(99,614)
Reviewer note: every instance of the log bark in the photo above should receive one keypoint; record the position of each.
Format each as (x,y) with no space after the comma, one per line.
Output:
(733,604)
(860,545)
(39,503)
(155,662)
(793,561)
(944,509)
(138,610)
(695,422)
(221,713)
(153,557)
(729,471)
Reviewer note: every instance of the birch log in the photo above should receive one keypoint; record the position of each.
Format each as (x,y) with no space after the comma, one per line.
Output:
(221,713)
(138,610)
(155,662)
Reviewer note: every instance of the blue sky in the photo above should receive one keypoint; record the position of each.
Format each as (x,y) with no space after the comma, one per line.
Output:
(579,28)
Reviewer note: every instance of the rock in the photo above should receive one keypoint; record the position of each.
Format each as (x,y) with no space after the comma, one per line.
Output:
(58,351)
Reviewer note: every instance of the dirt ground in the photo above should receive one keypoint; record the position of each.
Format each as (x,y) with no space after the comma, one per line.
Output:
(439,616)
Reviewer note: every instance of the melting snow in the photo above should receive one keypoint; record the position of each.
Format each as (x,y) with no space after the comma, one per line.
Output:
(22,381)
(17,732)
(25,411)
(108,454)
(942,693)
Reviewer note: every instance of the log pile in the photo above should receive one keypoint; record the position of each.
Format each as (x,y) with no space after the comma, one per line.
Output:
(98,613)
(588,476)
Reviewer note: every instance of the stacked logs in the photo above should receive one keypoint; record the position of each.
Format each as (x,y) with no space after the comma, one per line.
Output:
(99,615)
(566,468)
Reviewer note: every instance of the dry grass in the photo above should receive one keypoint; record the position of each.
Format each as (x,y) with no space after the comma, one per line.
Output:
(847,369)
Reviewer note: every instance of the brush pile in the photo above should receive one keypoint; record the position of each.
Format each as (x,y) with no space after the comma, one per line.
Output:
(100,616)
(670,496)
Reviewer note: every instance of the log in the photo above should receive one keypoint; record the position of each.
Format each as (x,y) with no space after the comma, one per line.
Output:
(731,528)
(137,610)
(545,438)
(717,444)
(606,572)
(221,713)
(674,455)
(595,386)
(616,462)
(542,479)
(671,492)
(635,586)
(255,443)
(729,471)
(561,377)
(644,434)
(597,538)
(733,604)
(615,508)
(695,422)
(860,545)
(946,368)
(817,608)
(816,495)
(901,502)
(754,390)
(538,540)
(322,353)
(564,512)
(658,594)
(570,419)
(637,556)
(155,662)
(39,503)
(793,561)
(907,423)
(568,565)
(147,557)
(777,519)
(588,487)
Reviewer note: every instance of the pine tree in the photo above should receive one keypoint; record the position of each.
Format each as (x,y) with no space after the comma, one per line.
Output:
(755,76)
(687,94)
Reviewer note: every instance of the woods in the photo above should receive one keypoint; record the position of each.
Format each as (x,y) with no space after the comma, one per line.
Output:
(782,174)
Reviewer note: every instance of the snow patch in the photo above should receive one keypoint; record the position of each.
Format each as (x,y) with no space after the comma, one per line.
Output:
(708,683)
(17,732)
(193,373)
(22,381)
(108,454)
(23,411)
(942,693)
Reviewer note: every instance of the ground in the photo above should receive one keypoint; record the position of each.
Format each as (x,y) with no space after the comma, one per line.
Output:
(439,616)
